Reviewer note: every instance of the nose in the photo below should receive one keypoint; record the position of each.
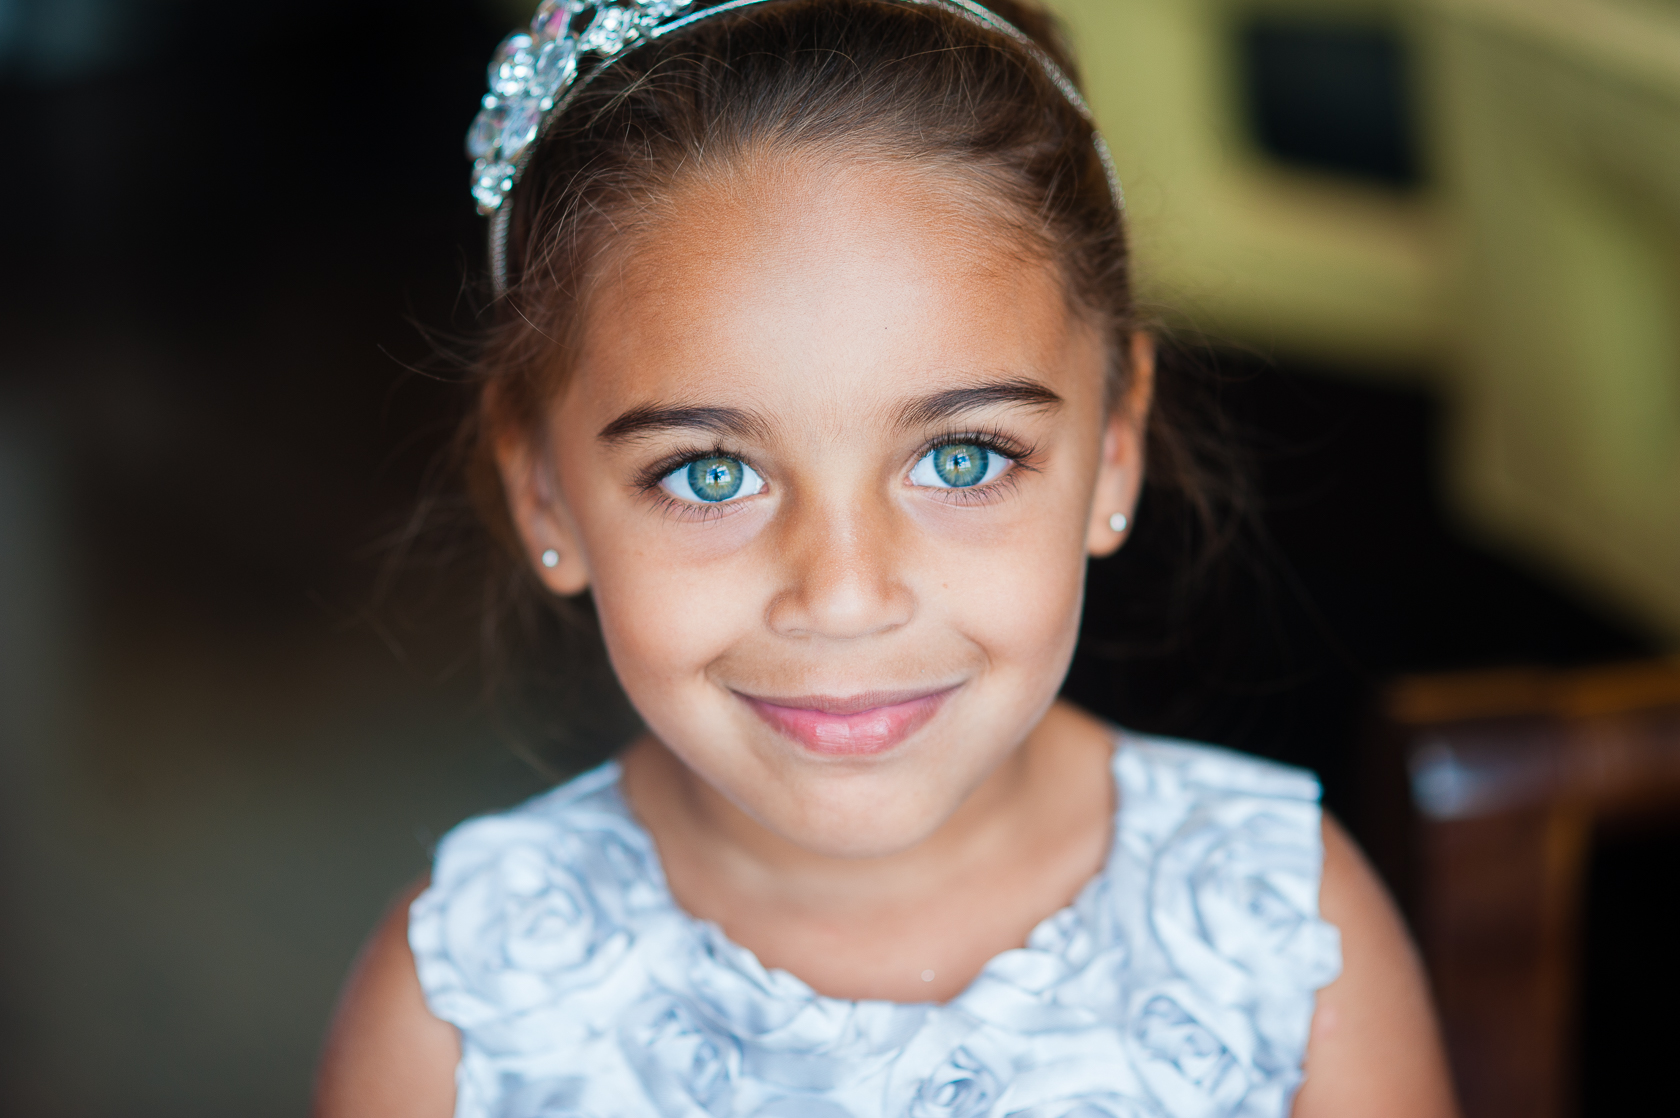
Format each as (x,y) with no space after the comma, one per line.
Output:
(841,566)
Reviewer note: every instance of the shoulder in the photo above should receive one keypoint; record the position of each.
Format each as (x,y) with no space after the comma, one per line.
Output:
(517,905)
(1375,1050)
(386,1054)
(1247,872)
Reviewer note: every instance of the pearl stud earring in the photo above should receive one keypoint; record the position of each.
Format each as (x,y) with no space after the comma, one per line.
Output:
(551,558)
(1118,522)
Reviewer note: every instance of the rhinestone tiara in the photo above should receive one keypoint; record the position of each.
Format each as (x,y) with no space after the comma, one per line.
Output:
(535,74)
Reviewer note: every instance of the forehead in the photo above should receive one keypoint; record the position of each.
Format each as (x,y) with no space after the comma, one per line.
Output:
(843,284)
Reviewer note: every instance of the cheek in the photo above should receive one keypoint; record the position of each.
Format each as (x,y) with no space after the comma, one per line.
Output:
(1022,602)
(1012,584)
(668,610)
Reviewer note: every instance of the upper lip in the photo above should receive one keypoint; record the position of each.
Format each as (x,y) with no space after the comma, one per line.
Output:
(848,704)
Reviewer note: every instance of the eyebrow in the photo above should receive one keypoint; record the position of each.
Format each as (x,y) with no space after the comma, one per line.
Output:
(647,419)
(1016,392)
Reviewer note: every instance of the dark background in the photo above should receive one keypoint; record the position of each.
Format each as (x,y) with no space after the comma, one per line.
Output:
(235,240)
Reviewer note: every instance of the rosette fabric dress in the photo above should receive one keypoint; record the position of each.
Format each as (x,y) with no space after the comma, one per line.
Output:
(1180,982)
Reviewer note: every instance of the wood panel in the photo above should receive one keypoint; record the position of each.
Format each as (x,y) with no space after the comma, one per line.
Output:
(1510,773)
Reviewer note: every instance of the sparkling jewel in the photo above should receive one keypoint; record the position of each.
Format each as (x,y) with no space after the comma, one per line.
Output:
(512,66)
(556,66)
(611,31)
(521,128)
(531,71)
(491,182)
(486,131)
(554,17)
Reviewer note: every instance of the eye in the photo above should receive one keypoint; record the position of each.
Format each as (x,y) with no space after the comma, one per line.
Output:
(958,466)
(712,480)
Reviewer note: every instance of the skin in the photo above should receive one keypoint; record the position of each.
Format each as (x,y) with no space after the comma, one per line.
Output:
(828,306)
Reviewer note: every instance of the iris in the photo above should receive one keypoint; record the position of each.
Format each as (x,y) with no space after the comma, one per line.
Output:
(715,479)
(961,464)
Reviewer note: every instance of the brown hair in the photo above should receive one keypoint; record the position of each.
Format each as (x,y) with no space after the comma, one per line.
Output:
(893,80)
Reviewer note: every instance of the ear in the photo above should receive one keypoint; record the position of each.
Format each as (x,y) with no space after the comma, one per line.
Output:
(540,515)
(1120,471)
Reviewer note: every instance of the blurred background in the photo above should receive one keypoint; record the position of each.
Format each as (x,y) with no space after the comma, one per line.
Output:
(1428,251)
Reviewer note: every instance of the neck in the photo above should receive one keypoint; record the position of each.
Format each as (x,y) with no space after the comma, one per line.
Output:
(711,848)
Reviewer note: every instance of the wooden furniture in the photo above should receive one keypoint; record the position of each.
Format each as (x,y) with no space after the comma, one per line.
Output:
(1509,775)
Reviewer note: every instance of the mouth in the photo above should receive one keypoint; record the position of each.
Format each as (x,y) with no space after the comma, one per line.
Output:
(852,726)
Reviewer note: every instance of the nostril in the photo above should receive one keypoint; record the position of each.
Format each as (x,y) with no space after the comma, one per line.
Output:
(843,601)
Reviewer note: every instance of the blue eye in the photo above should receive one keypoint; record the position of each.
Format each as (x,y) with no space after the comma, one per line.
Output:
(958,466)
(712,480)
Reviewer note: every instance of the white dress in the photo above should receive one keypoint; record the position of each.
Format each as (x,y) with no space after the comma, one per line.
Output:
(1180,982)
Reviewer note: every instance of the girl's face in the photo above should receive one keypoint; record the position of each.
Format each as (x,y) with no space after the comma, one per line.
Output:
(831,459)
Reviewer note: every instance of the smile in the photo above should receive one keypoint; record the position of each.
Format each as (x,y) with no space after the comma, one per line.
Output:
(860,726)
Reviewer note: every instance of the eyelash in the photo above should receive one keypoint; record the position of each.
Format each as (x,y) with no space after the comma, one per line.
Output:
(1019,453)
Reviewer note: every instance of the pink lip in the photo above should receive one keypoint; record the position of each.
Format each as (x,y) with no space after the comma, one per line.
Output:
(860,726)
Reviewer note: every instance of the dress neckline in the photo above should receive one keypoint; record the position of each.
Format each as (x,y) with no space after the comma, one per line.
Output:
(1054,927)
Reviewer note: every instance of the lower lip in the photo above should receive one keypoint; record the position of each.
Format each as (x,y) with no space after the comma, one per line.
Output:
(862,734)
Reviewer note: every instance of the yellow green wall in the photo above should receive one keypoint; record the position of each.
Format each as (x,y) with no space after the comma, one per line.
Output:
(1537,283)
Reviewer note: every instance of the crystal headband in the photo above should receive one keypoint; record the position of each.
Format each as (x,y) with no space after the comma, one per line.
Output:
(536,74)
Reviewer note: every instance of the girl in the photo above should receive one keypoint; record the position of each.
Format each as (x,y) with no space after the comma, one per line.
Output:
(815,363)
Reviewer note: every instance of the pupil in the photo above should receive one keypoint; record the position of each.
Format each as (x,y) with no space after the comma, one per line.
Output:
(715,479)
(962,465)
